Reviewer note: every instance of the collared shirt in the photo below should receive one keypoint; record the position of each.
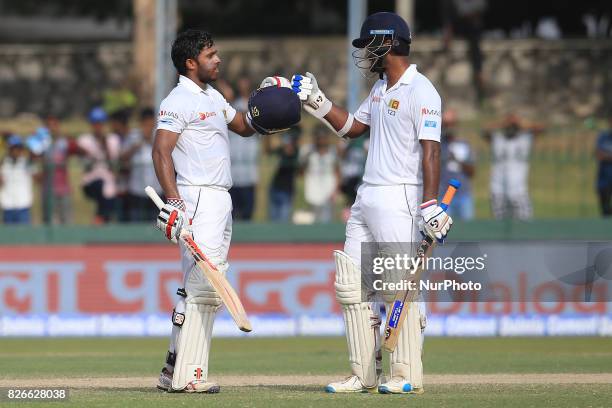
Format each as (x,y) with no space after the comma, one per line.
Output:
(399,117)
(201,156)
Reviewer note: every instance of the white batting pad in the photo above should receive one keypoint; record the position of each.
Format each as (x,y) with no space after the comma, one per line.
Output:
(360,334)
(406,359)
(193,345)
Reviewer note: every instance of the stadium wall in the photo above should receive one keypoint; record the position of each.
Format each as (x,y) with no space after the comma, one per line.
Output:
(567,77)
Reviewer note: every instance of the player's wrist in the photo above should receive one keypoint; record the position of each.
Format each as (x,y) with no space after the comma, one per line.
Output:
(430,203)
(176,202)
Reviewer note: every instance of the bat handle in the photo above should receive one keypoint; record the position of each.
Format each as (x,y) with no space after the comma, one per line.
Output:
(153,196)
(453,186)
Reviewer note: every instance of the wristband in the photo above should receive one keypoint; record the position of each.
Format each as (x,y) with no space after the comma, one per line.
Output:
(176,202)
(429,203)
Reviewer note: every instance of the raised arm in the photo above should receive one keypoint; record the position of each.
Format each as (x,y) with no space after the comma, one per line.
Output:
(341,122)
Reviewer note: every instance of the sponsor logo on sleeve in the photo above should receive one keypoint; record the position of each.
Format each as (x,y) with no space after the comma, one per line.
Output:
(168,114)
(431,124)
(433,112)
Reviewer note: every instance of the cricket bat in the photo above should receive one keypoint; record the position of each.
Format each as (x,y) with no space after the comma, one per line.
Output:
(217,280)
(404,298)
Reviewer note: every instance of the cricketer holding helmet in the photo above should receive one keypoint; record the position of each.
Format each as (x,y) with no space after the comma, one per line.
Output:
(398,195)
(192,163)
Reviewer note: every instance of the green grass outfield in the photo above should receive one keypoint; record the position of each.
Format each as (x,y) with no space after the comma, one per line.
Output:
(470,372)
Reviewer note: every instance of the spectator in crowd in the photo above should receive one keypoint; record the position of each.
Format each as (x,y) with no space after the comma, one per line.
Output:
(603,154)
(120,126)
(16,174)
(319,164)
(283,182)
(511,141)
(56,192)
(466,17)
(457,160)
(244,155)
(352,167)
(136,152)
(100,151)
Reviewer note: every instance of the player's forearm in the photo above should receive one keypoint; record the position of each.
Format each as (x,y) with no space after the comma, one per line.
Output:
(431,169)
(337,117)
(240,125)
(164,169)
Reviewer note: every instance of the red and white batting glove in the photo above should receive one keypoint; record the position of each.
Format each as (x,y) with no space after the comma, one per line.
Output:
(278,81)
(436,222)
(172,219)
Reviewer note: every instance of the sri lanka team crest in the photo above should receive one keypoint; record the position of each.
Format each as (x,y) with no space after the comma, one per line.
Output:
(393,107)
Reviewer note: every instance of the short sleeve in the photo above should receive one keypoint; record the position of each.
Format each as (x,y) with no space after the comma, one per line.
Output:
(171,116)
(228,111)
(363,113)
(429,115)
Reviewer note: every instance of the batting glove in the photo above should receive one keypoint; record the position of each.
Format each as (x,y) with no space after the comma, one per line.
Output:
(172,219)
(315,101)
(436,222)
(278,81)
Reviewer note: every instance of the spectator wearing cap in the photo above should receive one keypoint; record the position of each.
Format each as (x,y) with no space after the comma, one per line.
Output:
(603,153)
(319,164)
(136,152)
(457,158)
(99,151)
(16,175)
(56,191)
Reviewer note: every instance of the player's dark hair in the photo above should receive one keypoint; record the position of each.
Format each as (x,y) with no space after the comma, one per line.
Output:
(188,45)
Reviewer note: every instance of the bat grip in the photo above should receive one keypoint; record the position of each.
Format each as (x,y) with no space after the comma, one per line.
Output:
(153,196)
(453,186)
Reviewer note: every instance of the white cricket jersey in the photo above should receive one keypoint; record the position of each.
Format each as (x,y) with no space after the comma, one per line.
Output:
(398,118)
(201,156)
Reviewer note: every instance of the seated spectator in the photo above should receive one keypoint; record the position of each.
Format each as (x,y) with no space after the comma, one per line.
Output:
(603,154)
(319,164)
(16,174)
(457,160)
(100,151)
(283,182)
(120,126)
(56,192)
(137,151)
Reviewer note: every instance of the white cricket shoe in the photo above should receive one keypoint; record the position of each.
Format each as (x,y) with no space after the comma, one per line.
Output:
(399,385)
(196,386)
(348,385)
(206,387)
(165,380)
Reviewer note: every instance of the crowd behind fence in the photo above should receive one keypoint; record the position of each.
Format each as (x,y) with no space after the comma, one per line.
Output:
(510,168)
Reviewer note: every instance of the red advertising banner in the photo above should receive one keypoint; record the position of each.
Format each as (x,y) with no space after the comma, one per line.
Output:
(269,278)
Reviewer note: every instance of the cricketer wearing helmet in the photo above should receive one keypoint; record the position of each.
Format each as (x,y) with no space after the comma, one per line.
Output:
(192,163)
(398,196)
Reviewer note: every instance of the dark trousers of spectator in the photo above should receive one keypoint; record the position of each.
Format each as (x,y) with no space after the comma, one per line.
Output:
(605,201)
(349,189)
(104,206)
(243,202)
(16,216)
(141,209)
(281,202)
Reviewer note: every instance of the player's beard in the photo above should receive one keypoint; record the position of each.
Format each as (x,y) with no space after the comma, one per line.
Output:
(207,72)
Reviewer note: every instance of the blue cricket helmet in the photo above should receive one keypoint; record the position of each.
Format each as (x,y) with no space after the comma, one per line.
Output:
(274,109)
